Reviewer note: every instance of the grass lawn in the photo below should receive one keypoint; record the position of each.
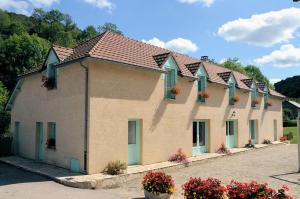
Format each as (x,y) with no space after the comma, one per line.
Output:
(286,130)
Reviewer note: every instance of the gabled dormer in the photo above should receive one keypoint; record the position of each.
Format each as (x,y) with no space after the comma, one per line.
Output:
(266,97)
(254,100)
(167,62)
(233,98)
(51,72)
(202,84)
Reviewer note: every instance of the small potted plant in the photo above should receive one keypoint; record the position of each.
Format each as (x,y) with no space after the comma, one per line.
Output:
(249,144)
(236,98)
(204,94)
(180,157)
(158,185)
(175,90)
(223,150)
(266,141)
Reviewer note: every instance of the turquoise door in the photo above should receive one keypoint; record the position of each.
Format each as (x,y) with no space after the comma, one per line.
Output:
(17,138)
(133,142)
(39,141)
(253,133)
(200,137)
(230,134)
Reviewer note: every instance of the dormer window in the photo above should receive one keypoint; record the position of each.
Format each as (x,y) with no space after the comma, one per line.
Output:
(170,81)
(266,98)
(202,84)
(49,80)
(254,100)
(233,98)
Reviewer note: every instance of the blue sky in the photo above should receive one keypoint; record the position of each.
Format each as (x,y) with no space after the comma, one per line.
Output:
(263,33)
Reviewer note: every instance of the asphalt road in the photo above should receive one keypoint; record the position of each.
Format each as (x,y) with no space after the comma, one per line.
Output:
(19,184)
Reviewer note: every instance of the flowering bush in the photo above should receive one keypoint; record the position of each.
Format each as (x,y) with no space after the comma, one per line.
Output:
(204,94)
(179,157)
(223,150)
(175,90)
(236,98)
(158,183)
(249,144)
(283,138)
(210,188)
(238,190)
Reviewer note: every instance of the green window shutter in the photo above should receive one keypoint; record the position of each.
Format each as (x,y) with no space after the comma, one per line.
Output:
(201,87)
(231,93)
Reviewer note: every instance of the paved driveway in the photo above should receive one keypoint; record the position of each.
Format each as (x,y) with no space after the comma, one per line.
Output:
(276,165)
(19,184)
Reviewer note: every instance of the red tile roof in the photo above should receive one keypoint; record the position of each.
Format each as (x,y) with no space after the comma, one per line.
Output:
(115,47)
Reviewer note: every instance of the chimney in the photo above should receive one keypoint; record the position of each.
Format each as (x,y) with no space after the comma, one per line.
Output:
(204,58)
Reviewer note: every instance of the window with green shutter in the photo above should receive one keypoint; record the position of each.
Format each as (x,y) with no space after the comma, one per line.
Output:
(253,96)
(266,99)
(170,80)
(231,93)
(202,82)
(51,135)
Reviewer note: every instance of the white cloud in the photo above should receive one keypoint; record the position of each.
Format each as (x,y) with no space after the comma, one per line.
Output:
(286,56)
(275,80)
(264,29)
(17,6)
(179,44)
(206,3)
(43,3)
(25,6)
(103,4)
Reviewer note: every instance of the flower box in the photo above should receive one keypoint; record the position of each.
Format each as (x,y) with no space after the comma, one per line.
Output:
(236,98)
(204,94)
(255,101)
(269,103)
(175,90)
(49,82)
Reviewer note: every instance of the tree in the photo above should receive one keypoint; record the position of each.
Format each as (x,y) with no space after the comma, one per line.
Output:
(255,73)
(4,116)
(89,32)
(109,27)
(18,54)
(289,87)
(234,64)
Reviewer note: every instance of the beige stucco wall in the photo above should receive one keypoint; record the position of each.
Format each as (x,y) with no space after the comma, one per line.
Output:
(119,93)
(64,105)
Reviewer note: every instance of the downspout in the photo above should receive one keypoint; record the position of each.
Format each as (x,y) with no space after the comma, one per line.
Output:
(86,79)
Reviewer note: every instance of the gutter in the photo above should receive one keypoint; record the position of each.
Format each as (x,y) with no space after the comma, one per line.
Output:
(86,85)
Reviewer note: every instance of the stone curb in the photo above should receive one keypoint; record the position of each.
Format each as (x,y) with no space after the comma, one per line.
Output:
(115,181)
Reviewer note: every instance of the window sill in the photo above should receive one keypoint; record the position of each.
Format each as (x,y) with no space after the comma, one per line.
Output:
(51,148)
(169,99)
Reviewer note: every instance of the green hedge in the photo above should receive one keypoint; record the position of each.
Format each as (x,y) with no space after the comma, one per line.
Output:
(290,123)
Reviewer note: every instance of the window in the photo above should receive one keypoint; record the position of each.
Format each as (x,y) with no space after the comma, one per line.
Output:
(199,137)
(170,80)
(201,88)
(231,93)
(132,132)
(51,137)
(253,96)
(50,81)
(266,99)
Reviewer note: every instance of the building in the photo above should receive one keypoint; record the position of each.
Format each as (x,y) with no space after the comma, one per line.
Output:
(293,106)
(115,98)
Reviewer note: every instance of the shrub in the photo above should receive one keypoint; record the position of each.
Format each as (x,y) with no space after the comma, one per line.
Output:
(175,90)
(238,190)
(290,123)
(179,157)
(158,183)
(115,167)
(283,138)
(197,188)
(223,150)
(266,141)
(249,144)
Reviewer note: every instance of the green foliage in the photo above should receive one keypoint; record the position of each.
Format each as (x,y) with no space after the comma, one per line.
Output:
(25,41)
(290,123)
(4,116)
(115,167)
(20,53)
(287,114)
(293,130)
(289,87)
(109,27)
(249,70)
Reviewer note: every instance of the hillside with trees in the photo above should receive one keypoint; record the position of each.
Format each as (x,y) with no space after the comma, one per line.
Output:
(289,87)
